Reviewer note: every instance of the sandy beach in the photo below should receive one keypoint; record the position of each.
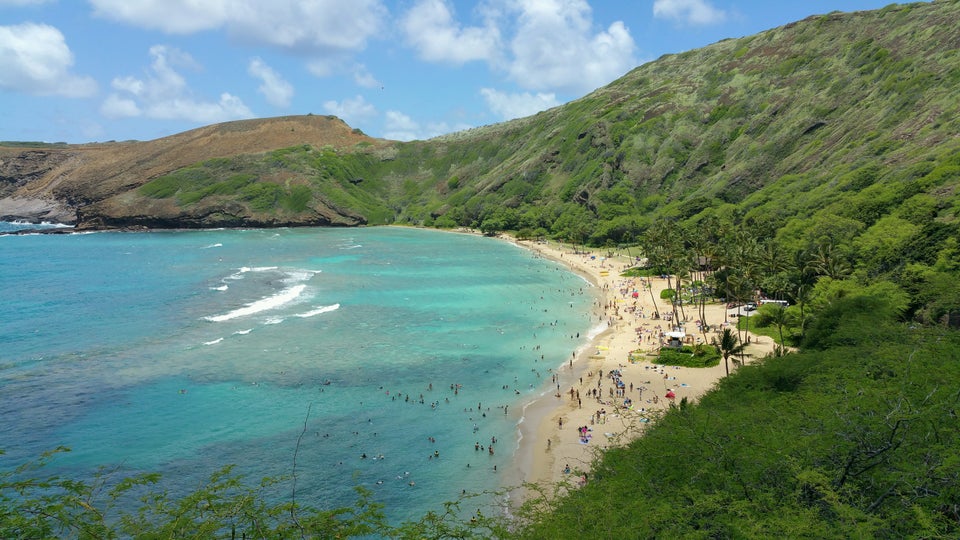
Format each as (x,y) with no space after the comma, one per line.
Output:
(561,434)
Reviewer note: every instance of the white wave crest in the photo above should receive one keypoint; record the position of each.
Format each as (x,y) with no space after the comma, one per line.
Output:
(318,311)
(243,332)
(214,342)
(271,302)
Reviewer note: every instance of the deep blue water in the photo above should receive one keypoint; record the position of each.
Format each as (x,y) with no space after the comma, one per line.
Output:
(180,352)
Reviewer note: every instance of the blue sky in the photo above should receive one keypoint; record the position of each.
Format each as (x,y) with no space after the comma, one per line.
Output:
(98,70)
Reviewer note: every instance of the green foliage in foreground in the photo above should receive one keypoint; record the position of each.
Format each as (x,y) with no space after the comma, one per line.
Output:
(858,440)
(226,507)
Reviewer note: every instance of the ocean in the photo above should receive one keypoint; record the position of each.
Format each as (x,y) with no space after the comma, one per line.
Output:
(376,357)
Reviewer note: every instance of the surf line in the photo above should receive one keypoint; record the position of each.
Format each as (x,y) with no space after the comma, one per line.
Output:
(264,304)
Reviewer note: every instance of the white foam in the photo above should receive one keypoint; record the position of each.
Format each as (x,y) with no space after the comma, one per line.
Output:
(271,302)
(597,330)
(319,310)
(245,269)
(295,276)
(213,246)
(46,224)
(220,288)
(243,332)
(214,342)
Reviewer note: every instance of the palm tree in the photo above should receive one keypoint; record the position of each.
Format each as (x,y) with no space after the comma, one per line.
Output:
(682,273)
(828,261)
(653,252)
(741,290)
(779,317)
(728,345)
(803,276)
(663,245)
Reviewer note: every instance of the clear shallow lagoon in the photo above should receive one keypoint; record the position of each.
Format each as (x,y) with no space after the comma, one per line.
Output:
(180,352)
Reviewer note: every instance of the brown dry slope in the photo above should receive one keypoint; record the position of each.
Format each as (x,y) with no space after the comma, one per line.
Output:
(56,182)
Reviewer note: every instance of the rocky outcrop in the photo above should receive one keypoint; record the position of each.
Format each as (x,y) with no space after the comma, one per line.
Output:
(36,211)
(85,185)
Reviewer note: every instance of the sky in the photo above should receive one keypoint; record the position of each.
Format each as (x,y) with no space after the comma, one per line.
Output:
(81,71)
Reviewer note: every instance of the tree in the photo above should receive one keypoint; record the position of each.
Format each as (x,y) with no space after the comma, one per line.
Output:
(37,506)
(829,262)
(728,344)
(803,276)
(776,314)
(663,245)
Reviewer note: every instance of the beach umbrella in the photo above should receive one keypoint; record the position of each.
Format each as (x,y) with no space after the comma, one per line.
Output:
(670,394)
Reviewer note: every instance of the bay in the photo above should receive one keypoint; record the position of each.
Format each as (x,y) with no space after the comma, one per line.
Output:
(376,357)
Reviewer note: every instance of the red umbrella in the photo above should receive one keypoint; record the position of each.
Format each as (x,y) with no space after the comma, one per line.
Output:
(670,394)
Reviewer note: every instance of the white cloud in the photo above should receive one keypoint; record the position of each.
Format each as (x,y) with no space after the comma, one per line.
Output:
(171,16)
(308,26)
(510,106)
(400,127)
(557,47)
(435,129)
(540,44)
(364,78)
(352,111)
(695,12)
(278,91)
(229,107)
(35,59)
(164,94)
(322,67)
(430,28)
(116,106)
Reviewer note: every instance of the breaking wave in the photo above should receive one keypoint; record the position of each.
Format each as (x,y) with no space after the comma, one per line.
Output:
(264,304)
(319,310)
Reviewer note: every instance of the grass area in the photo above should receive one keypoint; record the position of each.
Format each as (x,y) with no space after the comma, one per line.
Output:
(696,356)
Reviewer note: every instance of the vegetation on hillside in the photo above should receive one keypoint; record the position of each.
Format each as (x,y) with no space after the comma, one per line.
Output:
(281,183)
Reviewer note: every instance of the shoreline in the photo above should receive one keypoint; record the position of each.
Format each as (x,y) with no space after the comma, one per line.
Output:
(561,432)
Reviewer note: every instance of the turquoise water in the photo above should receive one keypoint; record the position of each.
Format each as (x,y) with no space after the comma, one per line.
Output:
(179,352)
